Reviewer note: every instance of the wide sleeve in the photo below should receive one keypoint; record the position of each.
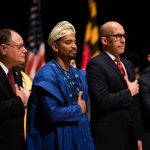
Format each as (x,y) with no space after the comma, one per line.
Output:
(58,112)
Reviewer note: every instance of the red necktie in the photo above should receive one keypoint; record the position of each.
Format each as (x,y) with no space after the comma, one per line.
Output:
(11,80)
(119,64)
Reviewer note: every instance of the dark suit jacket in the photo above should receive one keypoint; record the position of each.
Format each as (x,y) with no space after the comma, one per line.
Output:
(11,114)
(144,83)
(114,112)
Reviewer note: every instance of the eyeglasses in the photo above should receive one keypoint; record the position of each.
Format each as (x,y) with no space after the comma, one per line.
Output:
(118,36)
(16,46)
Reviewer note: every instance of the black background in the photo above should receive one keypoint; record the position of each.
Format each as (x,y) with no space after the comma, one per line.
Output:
(133,15)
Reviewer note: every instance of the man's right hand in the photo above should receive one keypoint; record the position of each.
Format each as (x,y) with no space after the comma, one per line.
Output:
(23,93)
(132,86)
(81,102)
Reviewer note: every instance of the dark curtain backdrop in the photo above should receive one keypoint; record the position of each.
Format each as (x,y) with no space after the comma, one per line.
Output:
(133,15)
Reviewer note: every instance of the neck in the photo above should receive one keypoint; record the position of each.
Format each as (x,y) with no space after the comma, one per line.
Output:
(8,65)
(64,64)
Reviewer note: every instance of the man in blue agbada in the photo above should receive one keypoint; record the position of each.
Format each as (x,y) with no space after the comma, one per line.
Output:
(57,116)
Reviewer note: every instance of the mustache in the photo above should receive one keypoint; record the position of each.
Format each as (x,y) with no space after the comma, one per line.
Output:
(73,49)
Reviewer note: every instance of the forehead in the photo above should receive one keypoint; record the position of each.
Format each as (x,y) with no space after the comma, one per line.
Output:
(16,37)
(116,28)
(68,37)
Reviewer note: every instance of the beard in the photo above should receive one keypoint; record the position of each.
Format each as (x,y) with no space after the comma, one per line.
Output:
(72,55)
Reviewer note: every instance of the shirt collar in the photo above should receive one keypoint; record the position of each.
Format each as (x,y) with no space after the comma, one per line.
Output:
(111,56)
(4,67)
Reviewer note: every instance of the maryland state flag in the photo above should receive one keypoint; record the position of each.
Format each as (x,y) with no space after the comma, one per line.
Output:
(91,47)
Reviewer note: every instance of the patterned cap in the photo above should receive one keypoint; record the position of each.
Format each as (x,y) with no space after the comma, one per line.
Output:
(60,29)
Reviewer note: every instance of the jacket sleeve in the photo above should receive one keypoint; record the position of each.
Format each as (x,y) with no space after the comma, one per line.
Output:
(54,110)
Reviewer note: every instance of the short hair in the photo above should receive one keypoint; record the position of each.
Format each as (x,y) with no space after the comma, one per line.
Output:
(5,36)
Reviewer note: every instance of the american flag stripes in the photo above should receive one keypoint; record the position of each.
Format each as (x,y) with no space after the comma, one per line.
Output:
(35,43)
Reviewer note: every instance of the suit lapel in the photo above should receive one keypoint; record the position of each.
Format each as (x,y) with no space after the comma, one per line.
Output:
(128,69)
(4,82)
(17,77)
(114,66)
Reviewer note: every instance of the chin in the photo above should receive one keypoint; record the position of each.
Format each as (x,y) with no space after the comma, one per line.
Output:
(122,51)
(21,62)
(72,57)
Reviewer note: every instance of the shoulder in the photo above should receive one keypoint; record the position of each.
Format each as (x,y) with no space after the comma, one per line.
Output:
(79,71)
(99,61)
(27,80)
(95,59)
(127,62)
(46,69)
(145,77)
(45,73)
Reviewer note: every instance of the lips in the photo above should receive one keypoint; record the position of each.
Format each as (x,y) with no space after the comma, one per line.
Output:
(122,47)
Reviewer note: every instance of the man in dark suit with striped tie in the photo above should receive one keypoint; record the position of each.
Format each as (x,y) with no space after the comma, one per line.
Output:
(115,118)
(13,97)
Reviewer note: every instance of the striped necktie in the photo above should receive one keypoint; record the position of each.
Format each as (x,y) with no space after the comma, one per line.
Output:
(11,80)
(120,66)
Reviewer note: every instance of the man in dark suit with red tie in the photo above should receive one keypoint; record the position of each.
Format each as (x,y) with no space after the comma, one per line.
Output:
(115,118)
(12,102)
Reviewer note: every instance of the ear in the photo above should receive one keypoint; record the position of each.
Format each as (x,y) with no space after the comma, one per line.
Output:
(3,49)
(104,40)
(55,47)
(148,57)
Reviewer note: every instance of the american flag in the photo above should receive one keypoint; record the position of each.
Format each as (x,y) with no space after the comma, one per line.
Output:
(35,41)
(91,46)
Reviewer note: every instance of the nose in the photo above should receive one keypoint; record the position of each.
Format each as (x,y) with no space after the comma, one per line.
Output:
(74,45)
(25,49)
(123,38)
